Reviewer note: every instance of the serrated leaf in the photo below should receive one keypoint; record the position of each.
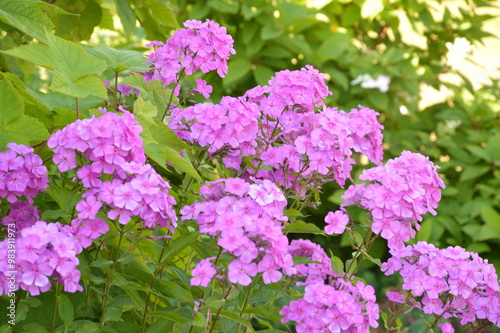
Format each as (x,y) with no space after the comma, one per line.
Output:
(65,309)
(303,228)
(14,125)
(73,75)
(27,16)
(118,60)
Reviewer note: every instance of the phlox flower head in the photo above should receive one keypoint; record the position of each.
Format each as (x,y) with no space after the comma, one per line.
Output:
(46,252)
(402,191)
(448,282)
(340,306)
(22,214)
(246,220)
(21,173)
(204,46)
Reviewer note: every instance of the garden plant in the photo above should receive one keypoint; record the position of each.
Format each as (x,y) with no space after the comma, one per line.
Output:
(256,167)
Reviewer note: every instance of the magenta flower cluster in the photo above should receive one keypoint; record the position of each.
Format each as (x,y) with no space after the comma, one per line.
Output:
(231,125)
(112,146)
(330,303)
(447,282)
(44,252)
(402,191)
(204,46)
(246,219)
(21,173)
(289,140)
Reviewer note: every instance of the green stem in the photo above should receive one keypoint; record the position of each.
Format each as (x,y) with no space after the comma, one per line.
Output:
(77,108)
(109,277)
(153,280)
(54,313)
(88,287)
(245,302)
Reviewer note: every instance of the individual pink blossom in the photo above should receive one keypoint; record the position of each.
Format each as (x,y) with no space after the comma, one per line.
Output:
(337,222)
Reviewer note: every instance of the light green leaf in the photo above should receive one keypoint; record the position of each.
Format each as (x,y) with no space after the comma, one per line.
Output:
(262,74)
(303,228)
(127,16)
(178,293)
(65,309)
(162,13)
(170,315)
(270,32)
(146,109)
(118,60)
(337,264)
(101,263)
(179,244)
(333,47)
(491,217)
(237,69)
(14,125)
(27,16)
(73,75)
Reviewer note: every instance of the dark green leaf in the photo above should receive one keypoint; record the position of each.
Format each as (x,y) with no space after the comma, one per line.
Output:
(65,309)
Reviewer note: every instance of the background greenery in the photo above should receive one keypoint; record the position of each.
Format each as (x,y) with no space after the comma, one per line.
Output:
(459,128)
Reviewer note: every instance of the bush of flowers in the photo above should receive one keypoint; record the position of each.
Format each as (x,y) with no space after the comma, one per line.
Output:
(163,214)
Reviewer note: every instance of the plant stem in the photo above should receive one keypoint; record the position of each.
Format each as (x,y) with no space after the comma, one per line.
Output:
(109,277)
(58,291)
(77,108)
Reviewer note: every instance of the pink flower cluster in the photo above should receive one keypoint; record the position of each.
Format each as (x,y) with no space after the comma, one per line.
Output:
(112,145)
(204,46)
(44,252)
(330,303)
(404,189)
(340,306)
(247,221)
(21,173)
(230,125)
(316,272)
(22,215)
(448,282)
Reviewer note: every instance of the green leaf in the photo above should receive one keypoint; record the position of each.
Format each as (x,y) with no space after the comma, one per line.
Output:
(333,47)
(162,13)
(237,69)
(491,217)
(179,244)
(178,293)
(235,317)
(270,32)
(80,26)
(146,109)
(27,16)
(101,263)
(337,264)
(473,171)
(303,228)
(65,199)
(65,309)
(265,311)
(118,60)
(170,315)
(162,145)
(73,75)
(262,74)
(113,313)
(14,125)
(127,16)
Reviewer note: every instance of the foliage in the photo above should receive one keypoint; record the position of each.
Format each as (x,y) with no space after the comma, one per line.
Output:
(138,278)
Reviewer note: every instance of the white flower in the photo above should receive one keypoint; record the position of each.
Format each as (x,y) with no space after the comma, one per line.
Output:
(458,51)
(381,82)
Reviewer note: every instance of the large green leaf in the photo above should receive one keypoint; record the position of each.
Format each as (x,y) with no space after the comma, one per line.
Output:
(14,125)
(334,46)
(127,16)
(74,72)
(118,60)
(27,16)
(163,146)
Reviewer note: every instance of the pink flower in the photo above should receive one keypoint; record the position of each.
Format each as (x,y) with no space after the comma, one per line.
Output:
(337,222)
(240,272)
(203,273)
